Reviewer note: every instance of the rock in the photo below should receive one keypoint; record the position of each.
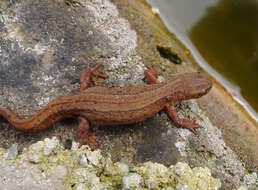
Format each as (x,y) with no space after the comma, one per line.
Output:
(154,173)
(81,186)
(75,146)
(117,168)
(12,152)
(33,170)
(122,168)
(57,174)
(82,159)
(85,179)
(196,178)
(34,153)
(182,187)
(94,157)
(132,181)
(180,168)
(242,188)
(50,145)
(251,179)
(47,62)
(156,176)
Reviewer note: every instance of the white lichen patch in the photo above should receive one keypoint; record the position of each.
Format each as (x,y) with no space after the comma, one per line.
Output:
(50,146)
(197,178)
(122,62)
(39,48)
(118,170)
(14,34)
(32,169)
(125,67)
(209,140)
(46,165)
(82,160)
(94,157)
(132,180)
(181,147)
(35,152)
(251,179)
(155,173)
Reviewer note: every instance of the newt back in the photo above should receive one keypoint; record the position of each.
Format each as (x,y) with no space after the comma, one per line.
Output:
(114,106)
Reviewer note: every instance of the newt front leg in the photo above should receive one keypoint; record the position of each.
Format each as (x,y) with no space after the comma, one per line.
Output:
(84,135)
(191,125)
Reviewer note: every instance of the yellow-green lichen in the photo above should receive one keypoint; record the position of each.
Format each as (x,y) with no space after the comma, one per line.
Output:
(81,168)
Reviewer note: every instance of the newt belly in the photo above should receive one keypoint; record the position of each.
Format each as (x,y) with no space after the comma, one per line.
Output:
(101,106)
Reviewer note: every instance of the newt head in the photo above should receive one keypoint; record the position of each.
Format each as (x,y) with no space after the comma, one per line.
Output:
(189,86)
(196,85)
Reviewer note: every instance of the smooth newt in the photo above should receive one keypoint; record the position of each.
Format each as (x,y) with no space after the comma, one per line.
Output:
(101,106)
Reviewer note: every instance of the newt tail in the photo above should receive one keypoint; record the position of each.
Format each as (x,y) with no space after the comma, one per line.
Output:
(38,122)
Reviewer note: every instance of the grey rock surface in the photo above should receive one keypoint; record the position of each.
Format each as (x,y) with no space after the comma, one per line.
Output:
(45,44)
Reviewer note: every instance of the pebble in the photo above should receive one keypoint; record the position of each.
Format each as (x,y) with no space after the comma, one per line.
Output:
(82,160)
(183,187)
(250,179)
(81,186)
(34,153)
(94,157)
(180,168)
(132,180)
(122,168)
(50,145)
(12,152)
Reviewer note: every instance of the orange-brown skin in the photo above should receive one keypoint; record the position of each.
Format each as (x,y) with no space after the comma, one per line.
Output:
(101,106)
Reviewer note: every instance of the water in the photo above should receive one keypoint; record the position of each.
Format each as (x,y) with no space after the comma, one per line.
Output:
(223,37)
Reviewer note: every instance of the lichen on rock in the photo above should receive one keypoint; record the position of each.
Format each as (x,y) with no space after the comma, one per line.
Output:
(63,169)
(44,47)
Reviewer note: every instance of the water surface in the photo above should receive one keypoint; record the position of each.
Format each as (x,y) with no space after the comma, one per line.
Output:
(223,37)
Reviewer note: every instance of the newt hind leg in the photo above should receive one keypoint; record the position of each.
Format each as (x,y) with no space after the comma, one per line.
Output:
(85,136)
(151,74)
